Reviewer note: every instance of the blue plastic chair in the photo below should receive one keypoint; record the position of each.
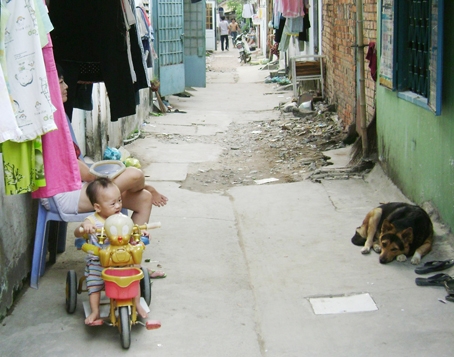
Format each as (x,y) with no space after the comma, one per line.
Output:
(50,236)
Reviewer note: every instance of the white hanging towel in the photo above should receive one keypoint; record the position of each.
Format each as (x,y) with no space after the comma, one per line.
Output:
(26,73)
(8,126)
(248,11)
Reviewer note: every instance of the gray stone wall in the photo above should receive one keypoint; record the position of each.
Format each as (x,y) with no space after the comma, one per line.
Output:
(17,230)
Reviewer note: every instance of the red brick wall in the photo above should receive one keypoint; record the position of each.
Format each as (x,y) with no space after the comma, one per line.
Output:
(338,35)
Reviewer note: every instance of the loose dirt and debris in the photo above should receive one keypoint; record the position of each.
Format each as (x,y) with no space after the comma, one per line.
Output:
(289,148)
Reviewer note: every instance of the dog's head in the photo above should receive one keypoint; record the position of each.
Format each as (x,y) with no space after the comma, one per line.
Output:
(394,242)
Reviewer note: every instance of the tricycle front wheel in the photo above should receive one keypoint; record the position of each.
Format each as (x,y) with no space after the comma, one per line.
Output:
(71,291)
(125,327)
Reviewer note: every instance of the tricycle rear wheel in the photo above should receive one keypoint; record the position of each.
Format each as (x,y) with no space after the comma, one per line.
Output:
(125,327)
(71,291)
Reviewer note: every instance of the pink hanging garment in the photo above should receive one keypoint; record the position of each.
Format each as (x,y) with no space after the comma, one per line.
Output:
(60,163)
(290,8)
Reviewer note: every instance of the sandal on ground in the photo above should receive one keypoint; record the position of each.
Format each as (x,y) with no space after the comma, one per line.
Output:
(435,280)
(430,267)
(156,274)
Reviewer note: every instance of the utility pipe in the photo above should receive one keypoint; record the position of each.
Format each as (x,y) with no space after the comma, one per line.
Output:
(362,84)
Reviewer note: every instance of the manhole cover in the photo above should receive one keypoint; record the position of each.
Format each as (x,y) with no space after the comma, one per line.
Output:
(342,304)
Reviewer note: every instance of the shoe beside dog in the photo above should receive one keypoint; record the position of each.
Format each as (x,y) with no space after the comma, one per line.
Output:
(396,230)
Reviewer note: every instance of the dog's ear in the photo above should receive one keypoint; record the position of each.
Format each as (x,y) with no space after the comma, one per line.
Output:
(386,226)
(407,235)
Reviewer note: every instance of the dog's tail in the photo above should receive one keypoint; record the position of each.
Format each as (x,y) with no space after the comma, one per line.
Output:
(358,240)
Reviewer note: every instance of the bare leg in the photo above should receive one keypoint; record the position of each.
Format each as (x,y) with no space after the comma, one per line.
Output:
(94,299)
(157,199)
(132,179)
(139,203)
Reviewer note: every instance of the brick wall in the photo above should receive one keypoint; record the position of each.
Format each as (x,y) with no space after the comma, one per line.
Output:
(338,35)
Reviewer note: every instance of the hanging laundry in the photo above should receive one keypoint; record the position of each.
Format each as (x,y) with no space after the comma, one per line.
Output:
(248,11)
(372,58)
(290,8)
(8,126)
(144,31)
(94,32)
(304,35)
(25,71)
(61,170)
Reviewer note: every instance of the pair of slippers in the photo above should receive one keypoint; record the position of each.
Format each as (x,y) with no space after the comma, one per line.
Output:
(433,266)
(438,279)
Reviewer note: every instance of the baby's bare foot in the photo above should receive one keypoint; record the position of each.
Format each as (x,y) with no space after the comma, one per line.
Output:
(92,318)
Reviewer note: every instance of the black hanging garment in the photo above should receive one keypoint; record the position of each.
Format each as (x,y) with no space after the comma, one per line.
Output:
(89,40)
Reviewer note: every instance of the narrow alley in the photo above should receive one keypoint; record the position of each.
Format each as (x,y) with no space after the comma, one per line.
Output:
(246,264)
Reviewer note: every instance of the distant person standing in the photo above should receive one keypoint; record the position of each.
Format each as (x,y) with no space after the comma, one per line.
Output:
(224,31)
(234,28)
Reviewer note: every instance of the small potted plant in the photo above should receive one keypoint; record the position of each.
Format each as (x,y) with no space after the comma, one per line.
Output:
(154,84)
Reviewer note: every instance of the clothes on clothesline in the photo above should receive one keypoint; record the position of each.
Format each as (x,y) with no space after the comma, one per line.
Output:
(61,169)
(372,58)
(42,163)
(289,8)
(24,71)
(248,11)
(105,48)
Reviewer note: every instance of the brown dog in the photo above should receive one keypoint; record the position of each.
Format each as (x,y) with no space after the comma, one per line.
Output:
(396,230)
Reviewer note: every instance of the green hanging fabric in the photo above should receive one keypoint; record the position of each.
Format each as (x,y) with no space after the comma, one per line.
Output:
(23,166)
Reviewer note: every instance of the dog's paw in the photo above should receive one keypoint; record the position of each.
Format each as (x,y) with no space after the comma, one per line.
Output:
(377,248)
(416,259)
(401,258)
(365,250)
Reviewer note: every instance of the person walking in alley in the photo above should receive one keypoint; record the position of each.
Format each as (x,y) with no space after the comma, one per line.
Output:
(224,31)
(233,28)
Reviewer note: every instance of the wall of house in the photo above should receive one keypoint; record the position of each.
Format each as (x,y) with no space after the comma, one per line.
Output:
(16,243)
(94,130)
(416,147)
(338,37)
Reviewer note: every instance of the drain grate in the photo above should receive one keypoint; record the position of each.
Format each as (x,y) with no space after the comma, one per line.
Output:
(342,304)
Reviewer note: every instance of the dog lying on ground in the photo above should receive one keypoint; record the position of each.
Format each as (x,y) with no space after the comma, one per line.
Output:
(396,230)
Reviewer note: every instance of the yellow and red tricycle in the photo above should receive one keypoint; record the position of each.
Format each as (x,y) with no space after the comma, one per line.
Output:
(122,275)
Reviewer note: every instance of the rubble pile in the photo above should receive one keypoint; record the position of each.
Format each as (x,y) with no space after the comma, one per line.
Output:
(287,149)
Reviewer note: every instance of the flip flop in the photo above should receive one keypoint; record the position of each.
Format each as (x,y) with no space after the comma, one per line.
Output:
(430,267)
(151,272)
(435,280)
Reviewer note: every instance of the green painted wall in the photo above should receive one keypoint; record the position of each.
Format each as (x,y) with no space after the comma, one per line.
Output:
(416,148)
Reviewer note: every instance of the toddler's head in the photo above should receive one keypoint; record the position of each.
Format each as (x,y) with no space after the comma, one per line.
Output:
(105,197)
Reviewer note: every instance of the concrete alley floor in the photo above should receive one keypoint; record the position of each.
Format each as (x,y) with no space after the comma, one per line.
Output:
(244,266)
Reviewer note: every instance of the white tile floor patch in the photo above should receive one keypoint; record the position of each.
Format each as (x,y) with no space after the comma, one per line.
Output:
(342,304)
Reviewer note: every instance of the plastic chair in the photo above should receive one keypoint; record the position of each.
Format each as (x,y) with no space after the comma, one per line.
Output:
(50,235)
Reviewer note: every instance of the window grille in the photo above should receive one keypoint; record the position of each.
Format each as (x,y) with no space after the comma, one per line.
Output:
(418,46)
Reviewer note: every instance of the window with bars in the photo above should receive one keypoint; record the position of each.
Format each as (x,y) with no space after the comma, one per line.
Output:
(412,50)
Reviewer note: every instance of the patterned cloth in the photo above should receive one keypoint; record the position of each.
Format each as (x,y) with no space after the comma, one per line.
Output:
(93,266)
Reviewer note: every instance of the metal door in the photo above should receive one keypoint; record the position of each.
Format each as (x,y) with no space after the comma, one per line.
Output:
(169,35)
(194,43)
